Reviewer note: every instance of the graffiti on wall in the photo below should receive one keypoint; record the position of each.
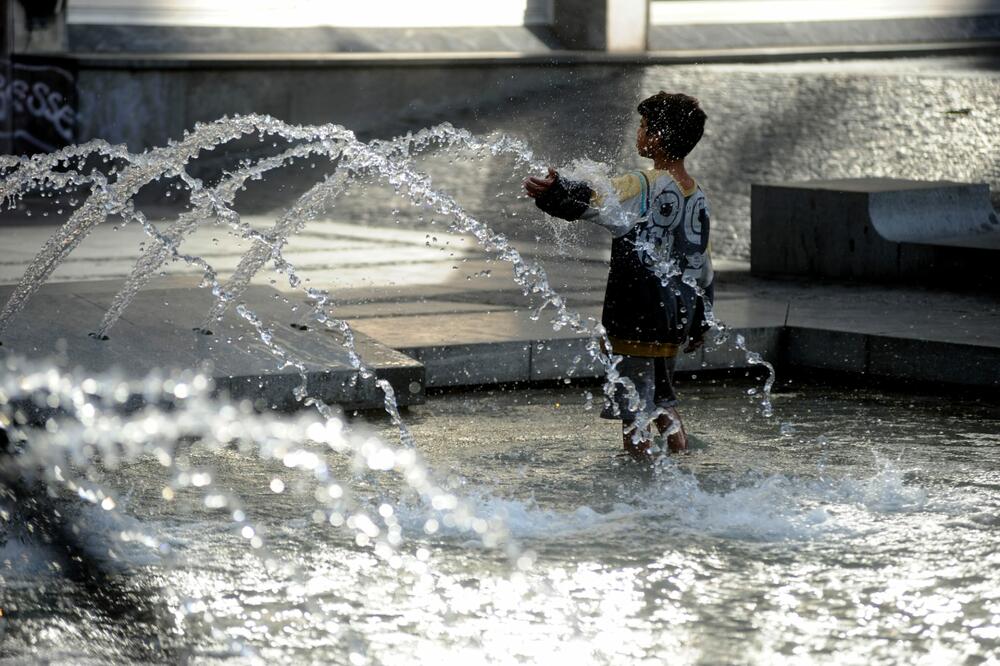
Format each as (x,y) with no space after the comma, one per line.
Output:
(37,107)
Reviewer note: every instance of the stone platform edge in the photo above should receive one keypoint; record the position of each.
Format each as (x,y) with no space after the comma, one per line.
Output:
(555,57)
(788,348)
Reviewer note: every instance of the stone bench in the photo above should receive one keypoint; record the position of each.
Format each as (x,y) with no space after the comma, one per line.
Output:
(876,229)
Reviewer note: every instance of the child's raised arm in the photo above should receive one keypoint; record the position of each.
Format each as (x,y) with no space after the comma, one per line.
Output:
(574,200)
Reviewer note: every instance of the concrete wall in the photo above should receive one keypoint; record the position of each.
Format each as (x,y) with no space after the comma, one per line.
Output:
(741,24)
(617,26)
(563,112)
(39,26)
(146,104)
(826,33)
(164,26)
(88,38)
(767,123)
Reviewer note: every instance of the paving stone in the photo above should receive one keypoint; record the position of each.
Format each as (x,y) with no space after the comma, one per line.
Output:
(410,308)
(458,329)
(472,331)
(477,348)
(156,332)
(750,311)
(965,318)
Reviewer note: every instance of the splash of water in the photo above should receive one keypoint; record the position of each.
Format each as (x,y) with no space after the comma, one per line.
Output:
(388,160)
(117,198)
(89,424)
(108,196)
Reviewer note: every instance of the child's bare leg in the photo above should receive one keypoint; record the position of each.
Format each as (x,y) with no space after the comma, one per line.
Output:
(676,440)
(635,444)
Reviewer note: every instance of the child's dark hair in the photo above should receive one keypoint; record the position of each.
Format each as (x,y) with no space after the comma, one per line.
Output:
(676,120)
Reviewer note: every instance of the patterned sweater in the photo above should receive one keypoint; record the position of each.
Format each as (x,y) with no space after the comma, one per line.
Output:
(660,257)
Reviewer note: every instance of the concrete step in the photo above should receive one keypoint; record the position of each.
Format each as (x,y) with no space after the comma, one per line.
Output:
(156,332)
(505,345)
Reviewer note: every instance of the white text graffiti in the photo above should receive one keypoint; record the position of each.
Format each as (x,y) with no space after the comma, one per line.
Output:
(40,101)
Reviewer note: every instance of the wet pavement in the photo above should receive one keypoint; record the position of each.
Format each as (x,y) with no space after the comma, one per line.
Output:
(455,309)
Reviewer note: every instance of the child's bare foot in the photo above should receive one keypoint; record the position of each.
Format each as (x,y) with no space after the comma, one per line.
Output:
(676,440)
(639,451)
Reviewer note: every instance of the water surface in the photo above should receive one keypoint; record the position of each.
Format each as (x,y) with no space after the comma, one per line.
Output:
(855,527)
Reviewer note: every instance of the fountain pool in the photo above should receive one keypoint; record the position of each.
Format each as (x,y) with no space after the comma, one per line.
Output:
(864,530)
(502,529)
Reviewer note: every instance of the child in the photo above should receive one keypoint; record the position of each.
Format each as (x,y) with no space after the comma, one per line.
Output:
(661,273)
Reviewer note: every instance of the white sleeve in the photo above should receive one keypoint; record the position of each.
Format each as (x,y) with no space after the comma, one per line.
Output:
(618,204)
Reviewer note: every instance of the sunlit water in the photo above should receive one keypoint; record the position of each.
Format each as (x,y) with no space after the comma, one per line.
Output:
(863,530)
(100,181)
(502,529)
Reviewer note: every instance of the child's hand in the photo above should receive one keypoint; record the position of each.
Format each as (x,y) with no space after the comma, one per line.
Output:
(536,187)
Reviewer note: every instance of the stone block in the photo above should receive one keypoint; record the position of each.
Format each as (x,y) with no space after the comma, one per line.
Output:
(562,359)
(930,361)
(875,229)
(474,364)
(765,341)
(826,349)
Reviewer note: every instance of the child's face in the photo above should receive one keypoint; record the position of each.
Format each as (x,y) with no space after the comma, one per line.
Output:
(645,144)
